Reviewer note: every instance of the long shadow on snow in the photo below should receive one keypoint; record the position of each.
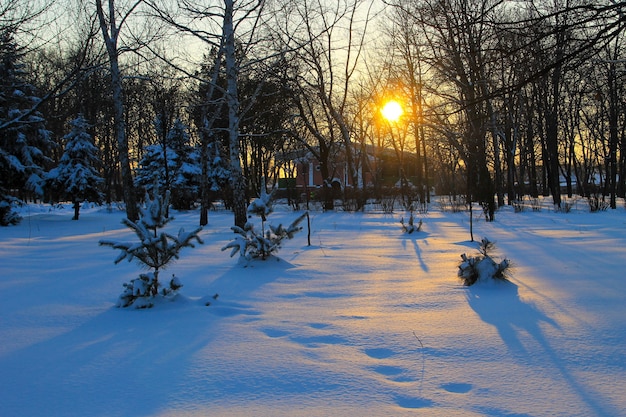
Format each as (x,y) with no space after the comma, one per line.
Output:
(499,304)
(121,363)
(414,238)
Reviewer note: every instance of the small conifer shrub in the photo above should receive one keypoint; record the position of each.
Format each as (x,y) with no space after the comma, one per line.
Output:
(252,244)
(411,227)
(482,268)
(154,250)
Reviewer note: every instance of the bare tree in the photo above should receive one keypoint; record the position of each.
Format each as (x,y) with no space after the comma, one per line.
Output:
(614,69)
(598,162)
(237,181)
(405,63)
(209,109)
(504,71)
(233,30)
(111,23)
(459,42)
(327,40)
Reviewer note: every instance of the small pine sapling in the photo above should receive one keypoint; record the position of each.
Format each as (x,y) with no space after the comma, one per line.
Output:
(251,244)
(482,268)
(155,250)
(486,246)
(411,227)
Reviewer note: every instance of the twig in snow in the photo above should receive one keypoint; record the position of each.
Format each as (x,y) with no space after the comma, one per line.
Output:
(423,363)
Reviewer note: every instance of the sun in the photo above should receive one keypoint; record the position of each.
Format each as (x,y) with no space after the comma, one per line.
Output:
(392,110)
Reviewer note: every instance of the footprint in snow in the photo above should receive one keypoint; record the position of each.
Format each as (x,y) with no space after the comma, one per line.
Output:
(413,402)
(318,325)
(379,353)
(457,387)
(275,333)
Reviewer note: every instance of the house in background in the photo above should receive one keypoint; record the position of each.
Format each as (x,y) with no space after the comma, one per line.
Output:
(375,168)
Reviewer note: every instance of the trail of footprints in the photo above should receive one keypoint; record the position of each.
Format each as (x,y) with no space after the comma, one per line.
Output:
(388,366)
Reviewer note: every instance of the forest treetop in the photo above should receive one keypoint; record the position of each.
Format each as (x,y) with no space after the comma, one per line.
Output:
(501,99)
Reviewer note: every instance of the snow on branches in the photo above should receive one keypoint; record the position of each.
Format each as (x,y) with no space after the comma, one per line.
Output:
(249,243)
(411,227)
(482,268)
(154,249)
(76,177)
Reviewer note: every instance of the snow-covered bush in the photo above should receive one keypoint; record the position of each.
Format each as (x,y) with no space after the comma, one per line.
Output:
(411,227)
(249,243)
(140,292)
(597,202)
(154,250)
(7,215)
(452,203)
(482,268)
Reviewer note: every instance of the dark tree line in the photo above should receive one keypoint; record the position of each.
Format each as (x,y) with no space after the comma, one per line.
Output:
(503,100)
(526,94)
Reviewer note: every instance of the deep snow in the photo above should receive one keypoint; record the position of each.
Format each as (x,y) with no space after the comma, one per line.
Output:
(365,321)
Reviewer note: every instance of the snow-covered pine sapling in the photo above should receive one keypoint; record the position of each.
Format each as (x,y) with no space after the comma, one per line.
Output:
(486,246)
(482,268)
(253,245)
(411,227)
(154,250)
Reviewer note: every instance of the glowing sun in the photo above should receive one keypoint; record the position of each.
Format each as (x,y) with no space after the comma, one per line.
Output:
(392,111)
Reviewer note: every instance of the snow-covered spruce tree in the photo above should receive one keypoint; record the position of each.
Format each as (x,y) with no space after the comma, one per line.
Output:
(411,227)
(251,244)
(77,177)
(23,136)
(482,268)
(153,166)
(173,165)
(185,180)
(218,170)
(154,250)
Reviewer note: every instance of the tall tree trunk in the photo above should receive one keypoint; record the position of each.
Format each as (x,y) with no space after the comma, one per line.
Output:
(621,186)
(237,180)
(497,163)
(611,175)
(418,132)
(551,161)
(110,40)
(122,140)
(204,179)
(206,137)
(552,121)
(76,207)
(531,158)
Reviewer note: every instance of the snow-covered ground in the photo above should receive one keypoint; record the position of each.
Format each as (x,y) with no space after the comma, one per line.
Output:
(365,321)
